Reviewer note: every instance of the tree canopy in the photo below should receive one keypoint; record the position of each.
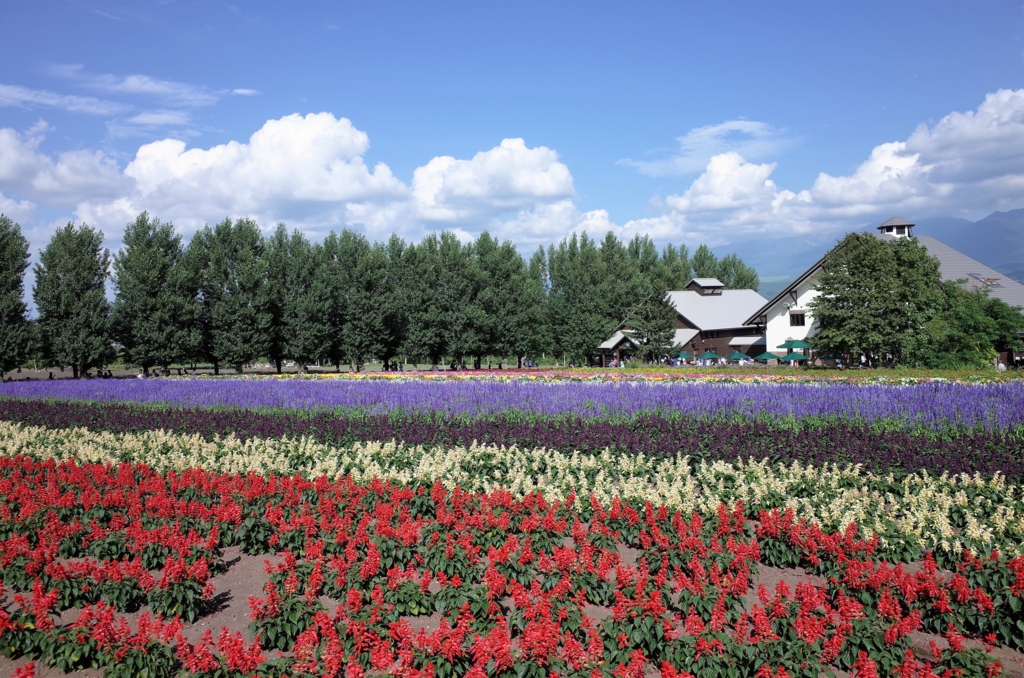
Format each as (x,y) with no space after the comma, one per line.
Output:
(70,295)
(15,332)
(233,296)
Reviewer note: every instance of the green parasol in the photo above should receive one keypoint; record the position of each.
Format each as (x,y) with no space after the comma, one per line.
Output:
(767,356)
(736,355)
(791,357)
(708,356)
(685,356)
(795,343)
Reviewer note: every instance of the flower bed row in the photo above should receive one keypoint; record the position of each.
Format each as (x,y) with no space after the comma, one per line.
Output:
(927,407)
(520,587)
(882,451)
(910,515)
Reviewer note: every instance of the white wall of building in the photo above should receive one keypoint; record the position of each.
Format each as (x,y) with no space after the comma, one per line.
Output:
(779,329)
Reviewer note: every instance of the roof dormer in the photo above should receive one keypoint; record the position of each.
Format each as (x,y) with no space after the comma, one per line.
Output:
(897,227)
(705,286)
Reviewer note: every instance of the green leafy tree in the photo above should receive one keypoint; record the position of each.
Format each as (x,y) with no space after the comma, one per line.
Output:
(279,261)
(541,340)
(364,287)
(735,275)
(70,294)
(236,320)
(877,298)
(394,300)
(147,316)
(445,317)
(622,283)
(15,331)
(969,329)
(704,263)
(309,317)
(510,299)
(673,270)
(578,318)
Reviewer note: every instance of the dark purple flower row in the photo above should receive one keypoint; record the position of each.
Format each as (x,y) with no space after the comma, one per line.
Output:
(649,434)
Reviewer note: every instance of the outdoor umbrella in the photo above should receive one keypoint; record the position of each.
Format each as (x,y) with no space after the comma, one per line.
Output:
(708,356)
(767,356)
(790,357)
(685,356)
(795,343)
(736,355)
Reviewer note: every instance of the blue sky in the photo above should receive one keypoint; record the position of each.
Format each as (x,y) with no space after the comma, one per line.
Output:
(693,122)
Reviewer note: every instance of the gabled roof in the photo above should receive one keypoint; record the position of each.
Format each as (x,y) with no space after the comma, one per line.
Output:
(722,311)
(680,338)
(752,319)
(614,340)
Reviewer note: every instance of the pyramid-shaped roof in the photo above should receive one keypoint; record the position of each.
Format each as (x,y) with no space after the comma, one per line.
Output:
(896,221)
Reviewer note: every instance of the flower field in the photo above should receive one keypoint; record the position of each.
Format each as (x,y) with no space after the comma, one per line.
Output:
(996,406)
(474,528)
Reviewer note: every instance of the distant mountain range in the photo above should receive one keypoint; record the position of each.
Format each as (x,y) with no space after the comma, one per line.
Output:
(996,241)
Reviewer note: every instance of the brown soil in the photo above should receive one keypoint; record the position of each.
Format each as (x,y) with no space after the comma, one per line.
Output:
(245,577)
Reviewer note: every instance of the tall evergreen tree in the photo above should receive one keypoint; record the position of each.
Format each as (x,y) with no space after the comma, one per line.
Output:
(622,283)
(735,275)
(445,318)
(578,318)
(364,288)
(704,263)
(15,331)
(236,309)
(541,341)
(673,269)
(510,300)
(425,338)
(278,261)
(653,324)
(70,294)
(310,329)
(146,319)
(394,302)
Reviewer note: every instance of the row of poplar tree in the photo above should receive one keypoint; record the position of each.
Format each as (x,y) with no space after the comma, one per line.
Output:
(231,297)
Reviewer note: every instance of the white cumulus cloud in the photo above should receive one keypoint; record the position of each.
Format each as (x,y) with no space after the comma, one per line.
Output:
(966,163)
(71,177)
(310,171)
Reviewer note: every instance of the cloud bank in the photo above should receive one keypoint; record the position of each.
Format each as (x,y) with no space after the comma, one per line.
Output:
(310,172)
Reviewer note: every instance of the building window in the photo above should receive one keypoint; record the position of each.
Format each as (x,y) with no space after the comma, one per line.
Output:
(900,230)
(796,319)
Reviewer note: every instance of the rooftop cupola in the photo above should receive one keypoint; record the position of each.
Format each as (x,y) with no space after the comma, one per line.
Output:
(705,286)
(897,227)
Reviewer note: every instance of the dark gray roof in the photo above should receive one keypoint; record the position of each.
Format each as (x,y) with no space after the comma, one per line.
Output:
(896,221)
(955,265)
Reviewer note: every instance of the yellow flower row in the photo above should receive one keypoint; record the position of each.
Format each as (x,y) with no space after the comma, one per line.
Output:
(946,512)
